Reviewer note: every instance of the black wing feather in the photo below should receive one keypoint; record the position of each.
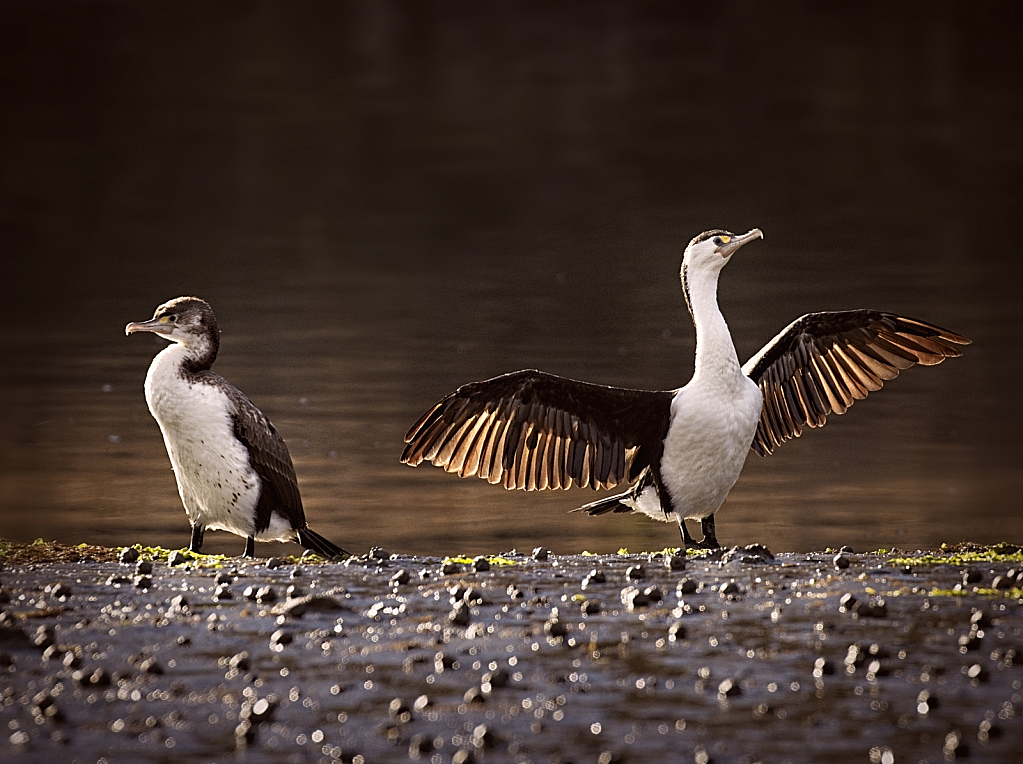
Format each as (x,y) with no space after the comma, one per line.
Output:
(822,362)
(538,430)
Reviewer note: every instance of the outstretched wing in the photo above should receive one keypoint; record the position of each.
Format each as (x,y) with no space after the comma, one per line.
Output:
(532,431)
(822,362)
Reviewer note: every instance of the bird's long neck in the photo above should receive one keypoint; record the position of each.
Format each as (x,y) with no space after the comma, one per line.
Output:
(197,356)
(715,352)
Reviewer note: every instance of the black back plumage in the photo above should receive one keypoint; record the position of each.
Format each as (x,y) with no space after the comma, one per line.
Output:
(823,362)
(531,430)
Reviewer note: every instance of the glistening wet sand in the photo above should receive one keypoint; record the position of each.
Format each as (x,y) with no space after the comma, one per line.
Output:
(632,658)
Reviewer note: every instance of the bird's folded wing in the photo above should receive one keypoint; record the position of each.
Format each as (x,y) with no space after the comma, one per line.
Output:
(822,362)
(532,431)
(267,452)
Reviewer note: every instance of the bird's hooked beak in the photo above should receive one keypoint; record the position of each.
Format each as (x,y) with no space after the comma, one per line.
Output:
(729,244)
(156,325)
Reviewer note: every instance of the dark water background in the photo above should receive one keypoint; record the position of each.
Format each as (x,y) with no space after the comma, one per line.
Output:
(384,200)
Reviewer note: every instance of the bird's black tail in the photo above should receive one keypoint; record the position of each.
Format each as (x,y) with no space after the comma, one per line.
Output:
(328,550)
(617,503)
(607,504)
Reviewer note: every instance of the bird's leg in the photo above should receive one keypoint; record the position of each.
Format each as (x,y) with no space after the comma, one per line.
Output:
(710,540)
(250,547)
(687,538)
(197,533)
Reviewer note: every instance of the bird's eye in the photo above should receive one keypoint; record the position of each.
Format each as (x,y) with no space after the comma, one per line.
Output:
(168,318)
(717,241)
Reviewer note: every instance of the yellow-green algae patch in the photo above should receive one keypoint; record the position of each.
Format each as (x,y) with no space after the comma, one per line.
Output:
(1013,593)
(492,559)
(964,554)
(195,559)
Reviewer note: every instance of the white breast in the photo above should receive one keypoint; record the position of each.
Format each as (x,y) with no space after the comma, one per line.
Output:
(712,427)
(217,485)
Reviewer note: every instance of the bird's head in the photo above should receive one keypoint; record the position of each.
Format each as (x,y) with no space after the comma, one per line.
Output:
(188,321)
(712,249)
(706,255)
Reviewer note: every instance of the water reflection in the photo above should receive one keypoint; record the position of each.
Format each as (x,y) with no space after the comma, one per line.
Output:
(382,205)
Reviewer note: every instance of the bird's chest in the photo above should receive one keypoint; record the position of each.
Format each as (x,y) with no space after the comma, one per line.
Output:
(210,464)
(709,437)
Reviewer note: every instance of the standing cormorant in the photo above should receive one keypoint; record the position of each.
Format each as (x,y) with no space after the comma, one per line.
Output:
(682,450)
(234,471)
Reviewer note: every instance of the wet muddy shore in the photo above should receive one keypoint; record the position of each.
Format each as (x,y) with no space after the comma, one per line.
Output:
(740,656)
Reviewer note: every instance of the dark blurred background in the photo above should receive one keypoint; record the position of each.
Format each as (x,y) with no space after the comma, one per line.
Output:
(383,200)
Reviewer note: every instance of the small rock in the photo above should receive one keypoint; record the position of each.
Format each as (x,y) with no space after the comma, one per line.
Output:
(731,589)
(971,576)
(265,595)
(144,567)
(676,562)
(540,554)
(971,641)
(97,678)
(592,578)
(442,661)
(143,582)
(280,638)
(244,734)
(496,679)
(379,553)
(591,607)
(954,747)
(460,615)
(258,710)
(654,593)
(686,586)
(555,628)
(633,598)
(399,710)
(1003,582)
(676,632)
(310,603)
(847,603)
(729,688)
(420,746)
(421,704)
(977,673)
(223,593)
(239,661)
(926,702)
(877,607)
(474,696)
(401,578)
(59,590)
(274,563)
(450,569)
(178,605)
(177,557)
(293,592)
(481,564)
(150,666)
(980,619)
(823,667)
(129,554)
(515,592)
(842,561)
(635,573)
